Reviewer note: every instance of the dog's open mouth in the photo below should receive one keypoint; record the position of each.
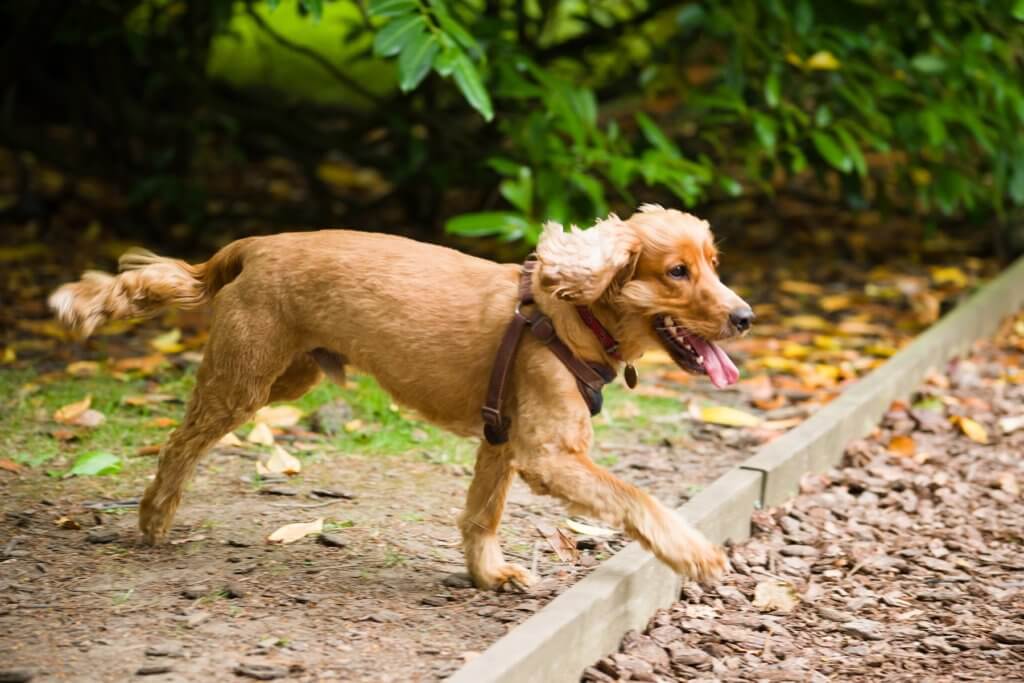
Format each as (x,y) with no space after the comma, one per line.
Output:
(696,354)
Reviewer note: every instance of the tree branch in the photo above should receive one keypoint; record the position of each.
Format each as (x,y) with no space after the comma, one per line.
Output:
(313,55)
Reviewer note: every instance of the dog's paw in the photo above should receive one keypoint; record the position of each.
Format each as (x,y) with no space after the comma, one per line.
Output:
(508,578)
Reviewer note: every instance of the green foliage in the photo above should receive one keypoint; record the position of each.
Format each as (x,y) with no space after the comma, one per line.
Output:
(908,100)
(95,463)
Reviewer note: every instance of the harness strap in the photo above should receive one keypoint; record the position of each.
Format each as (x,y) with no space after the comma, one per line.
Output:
(590,377)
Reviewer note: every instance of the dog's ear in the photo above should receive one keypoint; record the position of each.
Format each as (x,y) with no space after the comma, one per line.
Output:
(580,265)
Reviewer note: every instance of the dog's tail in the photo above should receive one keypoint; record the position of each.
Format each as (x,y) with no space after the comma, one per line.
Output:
(146,285)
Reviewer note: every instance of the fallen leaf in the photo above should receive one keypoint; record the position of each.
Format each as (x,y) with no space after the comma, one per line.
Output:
(69,413)
(563,544)
(139,400)
(278,416)
(261,434)
(950,275)
(67,523)
(62,434)
(774,595)
(835,302)
(162,422)
(970,428)
(47,328)
(280,461)
(800,287)
(83,368)
(353,425)
(729,417)
(903,445)
(90,418)
(188,539)
(8,356)
(95,463)
(144,365)
(229,439)
(290,533)
(1011,423)
(168,342)
(780,425)
(811,323)
(153,449)
(9,465)
(588,529)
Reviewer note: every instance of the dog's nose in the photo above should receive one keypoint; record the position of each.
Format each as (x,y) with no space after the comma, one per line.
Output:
(741,318)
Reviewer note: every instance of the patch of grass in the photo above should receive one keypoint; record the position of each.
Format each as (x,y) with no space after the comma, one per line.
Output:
(646,418)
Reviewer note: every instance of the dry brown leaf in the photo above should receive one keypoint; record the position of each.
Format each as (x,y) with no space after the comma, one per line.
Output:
(774,595)
(560,541)
(67,523)
(90,418)
(800,287)
(261,435)
(9,465)
(278,416)
(144,365)
(290,533)
(162,422)
(279,461)
(69,413)
(971,429)
(139,400)
(903,445)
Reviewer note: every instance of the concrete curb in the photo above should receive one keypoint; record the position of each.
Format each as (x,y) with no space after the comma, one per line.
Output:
(588,620)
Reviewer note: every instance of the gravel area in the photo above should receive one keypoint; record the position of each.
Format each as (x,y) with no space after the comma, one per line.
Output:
(904,564)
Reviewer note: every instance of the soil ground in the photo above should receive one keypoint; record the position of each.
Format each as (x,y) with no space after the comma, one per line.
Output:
(903,565)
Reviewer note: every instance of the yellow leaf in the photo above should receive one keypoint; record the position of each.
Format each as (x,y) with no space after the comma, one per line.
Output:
(791,350)
(46,328)
(902,445)
(835,302)
(921,177)
(881,350)
(69,413)
(22,253)
(823,61)
(729,417)
(827,343)
(83,368)
(812,323)
(774,595)
(116,327)
(279,462)
(261,435)
(777,363)
(794,59)
(950,275)
(168,342)
(588,530)
(278,416)
(290,533)
(8,356)
(800,287)
(353,425)
(970,428)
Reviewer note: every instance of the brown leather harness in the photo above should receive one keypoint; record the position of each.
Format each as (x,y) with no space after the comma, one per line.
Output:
(590,377)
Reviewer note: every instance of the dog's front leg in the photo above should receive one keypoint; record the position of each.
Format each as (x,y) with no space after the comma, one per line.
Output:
(485,502)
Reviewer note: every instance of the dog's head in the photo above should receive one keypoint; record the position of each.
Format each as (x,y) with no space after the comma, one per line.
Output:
(656,273)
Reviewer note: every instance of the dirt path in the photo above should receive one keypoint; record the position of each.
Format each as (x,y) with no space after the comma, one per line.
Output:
(905,564)
(377,609)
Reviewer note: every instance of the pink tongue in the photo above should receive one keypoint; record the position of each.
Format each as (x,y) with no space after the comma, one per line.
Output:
(721,370)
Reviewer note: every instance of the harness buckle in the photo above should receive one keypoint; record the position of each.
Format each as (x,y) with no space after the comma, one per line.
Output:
(543,329)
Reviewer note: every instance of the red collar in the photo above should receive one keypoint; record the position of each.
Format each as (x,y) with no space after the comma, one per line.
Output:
(610,344)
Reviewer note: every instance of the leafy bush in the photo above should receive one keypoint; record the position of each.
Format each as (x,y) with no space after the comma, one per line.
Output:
(920,100)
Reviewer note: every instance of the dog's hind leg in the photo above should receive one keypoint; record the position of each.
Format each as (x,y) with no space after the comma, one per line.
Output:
(302,375)
(479,523)
(239,368)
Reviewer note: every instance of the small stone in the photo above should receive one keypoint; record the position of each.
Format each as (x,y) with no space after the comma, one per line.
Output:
(278,491)
(197,619)
(862,628)
(101,536)
(832,614)
(586,543)
(168,649)
(683,655)
(663,635)
(332,540)
(1009,635)
(233,590)
(236,543)
(940,644)
(196,592)
(434,601)
(594,675)
(261,672)
(333,493)
(638,669)
(383,616)
(152,669)
(16,675)
(458,580)
(331,418)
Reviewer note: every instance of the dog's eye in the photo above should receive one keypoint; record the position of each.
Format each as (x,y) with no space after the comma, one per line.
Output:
(679,272)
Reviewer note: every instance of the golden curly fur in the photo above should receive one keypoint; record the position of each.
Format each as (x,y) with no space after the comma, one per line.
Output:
(426,322)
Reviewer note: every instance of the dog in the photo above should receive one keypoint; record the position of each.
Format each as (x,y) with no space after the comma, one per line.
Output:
(426,322)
